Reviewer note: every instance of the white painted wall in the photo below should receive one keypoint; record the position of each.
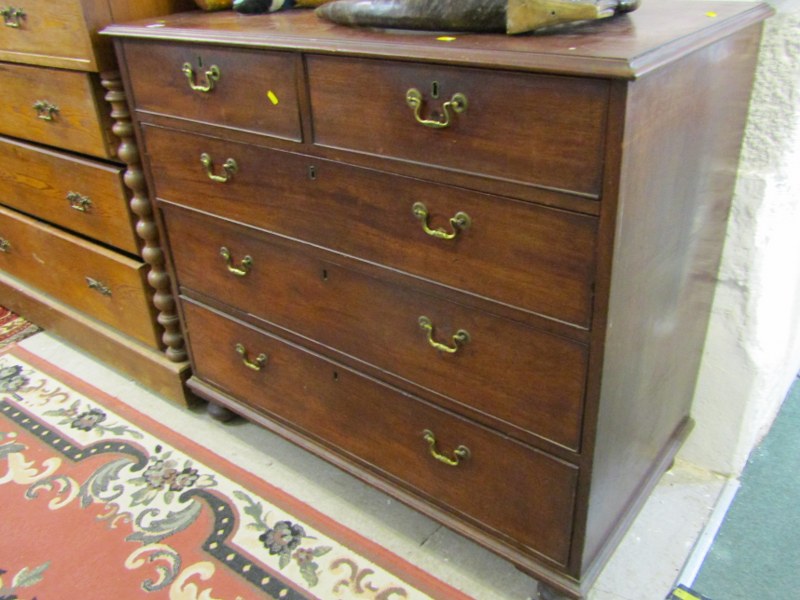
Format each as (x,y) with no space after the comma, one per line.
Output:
(752,353)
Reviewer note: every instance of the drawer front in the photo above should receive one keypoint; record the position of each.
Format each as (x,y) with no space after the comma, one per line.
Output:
(382,428)
(81,195)
(538,259)
(55,107)
(105,285)
(527,380)
(239,89)
(44,30)
(543,130)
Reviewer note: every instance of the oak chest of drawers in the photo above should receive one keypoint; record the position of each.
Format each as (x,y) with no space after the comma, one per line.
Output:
(71,258)
(473,270)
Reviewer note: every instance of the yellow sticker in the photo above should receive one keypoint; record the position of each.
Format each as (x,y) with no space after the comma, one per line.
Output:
(446,38)
(711,14)
(272,97)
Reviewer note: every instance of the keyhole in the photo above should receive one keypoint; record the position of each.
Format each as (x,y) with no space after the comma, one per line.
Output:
(435,89)
(200,62)
(336,376)
(312,172)
(324,274)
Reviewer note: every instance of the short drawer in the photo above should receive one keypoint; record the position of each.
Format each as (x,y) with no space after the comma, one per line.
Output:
(383,429)
(82,195)
(107,286)
(537,129)
(40,30)
(539,259)
(56,107)
(238,89)
(528,382)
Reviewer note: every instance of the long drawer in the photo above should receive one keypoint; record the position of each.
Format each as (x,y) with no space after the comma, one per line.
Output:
(101,283)
(82,195)
(238,89)
(36,30)
(391,433)
(537,129)
(539,259)
(56,107)
(526,381)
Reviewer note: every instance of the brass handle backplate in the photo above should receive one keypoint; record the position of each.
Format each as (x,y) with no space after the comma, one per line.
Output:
(45,110)
(459,222)
(456,104)
(12,17)
(460,453)
(98,286)
(255,365)
(79,202)
(244,265)
(5,245)
(211,77)
(229,167)
(460,338)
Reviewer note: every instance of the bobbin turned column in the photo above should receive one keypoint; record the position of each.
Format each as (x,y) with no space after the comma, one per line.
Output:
(146,228)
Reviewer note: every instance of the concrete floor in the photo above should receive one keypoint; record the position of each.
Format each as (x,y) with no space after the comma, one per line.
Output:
(645,566)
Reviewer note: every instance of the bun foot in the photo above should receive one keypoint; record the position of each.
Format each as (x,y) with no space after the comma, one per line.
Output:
(220,413)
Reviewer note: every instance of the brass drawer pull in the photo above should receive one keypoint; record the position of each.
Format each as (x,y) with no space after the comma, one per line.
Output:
(98,286)
(460,453)
(460,338)
(229,167)
(255,365)
(45,110)
(244,265)
(459,222)
(12,17)
(458,104)
(5,245)
(211,77)
(79,202)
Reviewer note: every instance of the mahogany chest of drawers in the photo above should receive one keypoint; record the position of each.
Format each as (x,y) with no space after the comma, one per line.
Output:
(71,258)
(473,270)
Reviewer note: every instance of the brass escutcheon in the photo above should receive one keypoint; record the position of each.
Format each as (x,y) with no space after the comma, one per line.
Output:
(5,245)
(459,222)
(229,167)
(460,453)
(456,104)
(460,337)
(212,75)
(12,17)
(255,365)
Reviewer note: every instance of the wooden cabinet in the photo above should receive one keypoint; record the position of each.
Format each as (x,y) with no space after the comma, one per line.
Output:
(72,195)
(475,272)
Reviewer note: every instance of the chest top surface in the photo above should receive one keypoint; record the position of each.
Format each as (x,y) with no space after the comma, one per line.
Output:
(626,46)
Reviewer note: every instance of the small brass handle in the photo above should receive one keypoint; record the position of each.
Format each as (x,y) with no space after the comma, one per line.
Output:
(459,222)
(45,110)
(211,76)
(460,338)
(255,365)
(79,202)
(244,265)
(98,286)
(458,104)
(5,245)
(460,453)
(229,167)
(12,17)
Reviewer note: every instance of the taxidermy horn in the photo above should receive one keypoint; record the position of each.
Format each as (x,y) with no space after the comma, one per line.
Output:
(511,16)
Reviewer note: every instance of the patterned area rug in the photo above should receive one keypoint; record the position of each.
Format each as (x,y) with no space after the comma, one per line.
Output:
(14,328)
(99,501)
